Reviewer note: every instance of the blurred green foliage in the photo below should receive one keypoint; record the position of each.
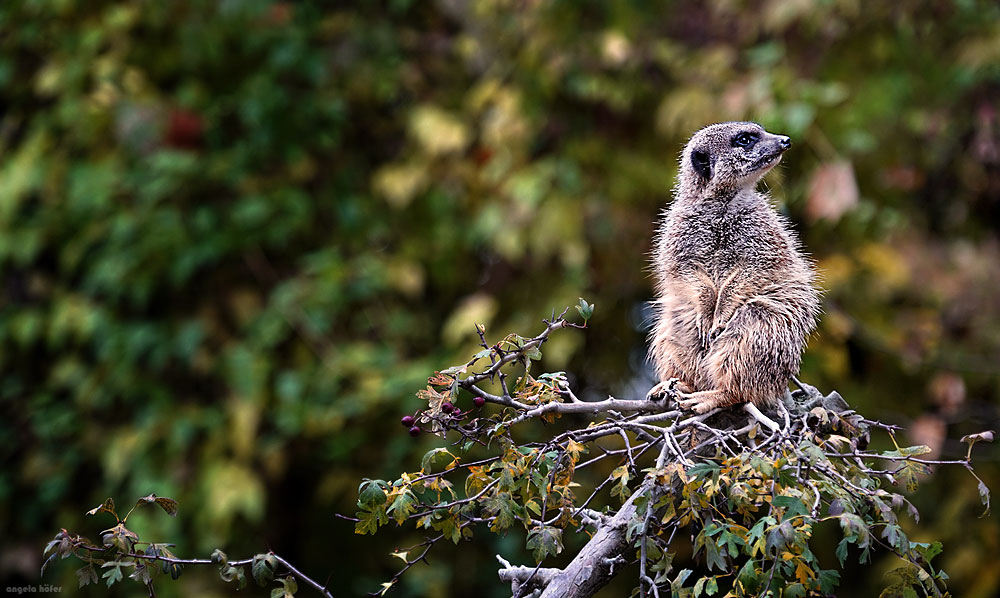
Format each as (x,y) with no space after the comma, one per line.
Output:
(236,236)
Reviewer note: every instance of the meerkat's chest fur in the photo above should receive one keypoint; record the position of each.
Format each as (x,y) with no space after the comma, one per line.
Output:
(719,235)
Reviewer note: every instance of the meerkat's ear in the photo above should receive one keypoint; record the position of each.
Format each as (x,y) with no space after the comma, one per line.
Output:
(701,163)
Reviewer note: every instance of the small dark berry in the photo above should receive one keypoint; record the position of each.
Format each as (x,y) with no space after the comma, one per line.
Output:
(456,413)
(447,407)
(478,401)
(407,421)
(415,431)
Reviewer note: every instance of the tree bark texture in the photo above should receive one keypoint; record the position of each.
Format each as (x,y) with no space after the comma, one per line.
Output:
(598,562)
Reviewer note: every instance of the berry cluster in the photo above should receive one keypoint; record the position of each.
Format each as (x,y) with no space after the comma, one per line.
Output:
(455,415)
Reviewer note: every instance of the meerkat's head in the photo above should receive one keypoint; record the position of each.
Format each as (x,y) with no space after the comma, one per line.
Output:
(726,157)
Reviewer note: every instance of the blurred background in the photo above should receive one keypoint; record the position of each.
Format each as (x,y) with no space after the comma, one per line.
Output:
(236,236)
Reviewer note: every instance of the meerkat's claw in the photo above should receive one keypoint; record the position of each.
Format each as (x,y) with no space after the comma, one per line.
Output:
(663,390)
(698,405)
(703,401)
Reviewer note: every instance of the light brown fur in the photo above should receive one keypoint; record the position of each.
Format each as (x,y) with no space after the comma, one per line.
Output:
(736,299)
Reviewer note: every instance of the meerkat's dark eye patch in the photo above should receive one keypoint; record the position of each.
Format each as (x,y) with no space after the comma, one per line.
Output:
(746,140)
(702,164)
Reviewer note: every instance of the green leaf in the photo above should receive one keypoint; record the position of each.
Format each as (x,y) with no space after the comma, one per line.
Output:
(855,529)
(793,506)
(287,589)
(501,507)
(544,541)
(829,579)
(708,585)
(749,577)
(910,473)
(403,506)
(230,573)
(756,537)
(539,481)
(662,564)
(896,537)
(449,526)
(586,309)
(731,543)
(842,551)
(369,521)
(927,550)
(426,462)
(704,469)
(779,537)
(114,574)
(813,453)
(713,557)
(712,528)
(678,581)
(371,493)
(263,568)
(87,575)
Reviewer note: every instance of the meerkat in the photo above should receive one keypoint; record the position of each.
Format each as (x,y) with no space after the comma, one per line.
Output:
(736,297)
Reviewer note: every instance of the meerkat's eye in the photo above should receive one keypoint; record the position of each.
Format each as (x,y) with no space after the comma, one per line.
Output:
(745,140)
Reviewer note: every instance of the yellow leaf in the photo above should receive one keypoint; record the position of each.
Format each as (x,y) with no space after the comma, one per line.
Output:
(437,131)
(575,449)
(21,174)
(399,183)
(803,573)
(669,512)
(401,555)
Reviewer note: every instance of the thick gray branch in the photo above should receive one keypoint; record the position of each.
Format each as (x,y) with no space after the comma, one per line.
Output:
(594,566)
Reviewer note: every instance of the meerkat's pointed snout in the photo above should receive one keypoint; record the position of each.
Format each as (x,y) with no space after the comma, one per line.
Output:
(785,142)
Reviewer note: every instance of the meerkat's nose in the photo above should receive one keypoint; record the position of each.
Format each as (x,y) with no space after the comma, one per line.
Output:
(784,142)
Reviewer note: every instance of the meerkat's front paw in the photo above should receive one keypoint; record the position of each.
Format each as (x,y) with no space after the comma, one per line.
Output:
(699,405)
(663,390)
